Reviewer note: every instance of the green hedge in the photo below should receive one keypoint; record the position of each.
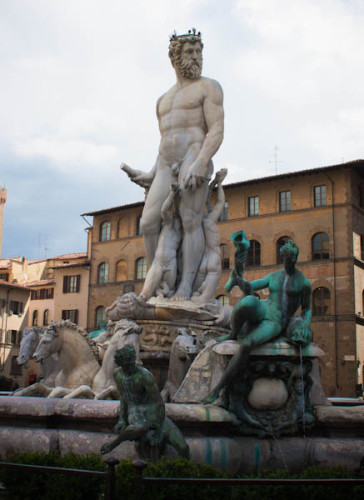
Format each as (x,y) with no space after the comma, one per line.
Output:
(36,485)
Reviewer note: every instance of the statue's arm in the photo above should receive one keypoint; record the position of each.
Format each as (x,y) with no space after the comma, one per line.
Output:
(215,213)
(306,302)
(121,424)
(260,284)
(214,119)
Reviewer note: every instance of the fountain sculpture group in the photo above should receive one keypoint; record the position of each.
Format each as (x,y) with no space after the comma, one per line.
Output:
(236,374)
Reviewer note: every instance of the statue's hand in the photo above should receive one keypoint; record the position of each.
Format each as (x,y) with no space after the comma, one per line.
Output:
(143,179)
(195,177)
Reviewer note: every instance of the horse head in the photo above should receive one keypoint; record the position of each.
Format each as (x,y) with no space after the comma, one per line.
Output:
(28,345)
(186,344)
(48,344)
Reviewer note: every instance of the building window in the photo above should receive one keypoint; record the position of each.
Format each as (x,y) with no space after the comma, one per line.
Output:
(16,307)
(319,196)
(320,301)
(225,256)
(284,201)
(105,231)
(15,369)
(253,256)
(71,314)
(140,268)
(138,230)
(71,284)
(320,246)
(225,212)
(42,293)
(35,318)
(282,241)
(100,317)
(11,337)
(223,299)
(362,247)
(121,270)
(46,317)
(103,273)
(253,208)
(4,276)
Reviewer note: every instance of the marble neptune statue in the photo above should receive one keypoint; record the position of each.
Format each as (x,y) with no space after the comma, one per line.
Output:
(191,123)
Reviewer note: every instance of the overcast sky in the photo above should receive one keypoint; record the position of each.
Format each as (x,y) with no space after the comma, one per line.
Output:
(80,78)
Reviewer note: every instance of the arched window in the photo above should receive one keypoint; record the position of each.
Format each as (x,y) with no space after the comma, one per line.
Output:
(223,299)
(35,318)
(253,256)
(320,246)
(46,317)
(105,231)
(225,256)
(321,301)
(103,273)
(140,268)
(121,270)
(282,240)
(100,317)
(138,230)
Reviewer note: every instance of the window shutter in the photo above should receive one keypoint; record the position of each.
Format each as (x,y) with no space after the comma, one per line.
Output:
(78,282)
(65,284)
(76,316)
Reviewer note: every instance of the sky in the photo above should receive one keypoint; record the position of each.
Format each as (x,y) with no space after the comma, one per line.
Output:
(80,79)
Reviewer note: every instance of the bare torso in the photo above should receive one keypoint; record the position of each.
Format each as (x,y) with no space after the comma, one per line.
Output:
(181,120)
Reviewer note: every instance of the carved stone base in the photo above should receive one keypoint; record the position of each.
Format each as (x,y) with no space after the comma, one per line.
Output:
(273,396)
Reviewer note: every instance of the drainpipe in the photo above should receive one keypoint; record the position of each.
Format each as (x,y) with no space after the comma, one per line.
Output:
(5,325)
(335,293)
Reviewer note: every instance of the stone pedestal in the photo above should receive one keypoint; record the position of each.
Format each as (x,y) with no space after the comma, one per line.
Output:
(275,394)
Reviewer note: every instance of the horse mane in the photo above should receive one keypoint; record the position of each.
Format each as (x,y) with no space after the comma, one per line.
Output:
(67,323)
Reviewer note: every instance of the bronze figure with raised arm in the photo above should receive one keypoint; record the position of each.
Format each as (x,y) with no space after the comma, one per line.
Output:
(255,322)
(191,123)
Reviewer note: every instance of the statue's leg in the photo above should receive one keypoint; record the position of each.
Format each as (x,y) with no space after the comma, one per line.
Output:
(151,221)
(175,438)
(250,309)
(193,243)
(266,330)
(130,433)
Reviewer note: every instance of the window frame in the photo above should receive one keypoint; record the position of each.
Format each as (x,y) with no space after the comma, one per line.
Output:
(103,273)
(319,196)
(72,283)
(143,266)
(253,206)
(284,201)
(105,231)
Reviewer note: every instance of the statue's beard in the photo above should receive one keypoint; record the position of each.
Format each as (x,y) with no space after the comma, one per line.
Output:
(189,69)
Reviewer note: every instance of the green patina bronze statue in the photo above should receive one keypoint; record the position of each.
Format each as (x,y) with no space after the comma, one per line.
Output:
(142,411)
(254,321)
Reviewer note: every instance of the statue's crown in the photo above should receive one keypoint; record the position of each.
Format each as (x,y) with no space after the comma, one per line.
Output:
(191,32)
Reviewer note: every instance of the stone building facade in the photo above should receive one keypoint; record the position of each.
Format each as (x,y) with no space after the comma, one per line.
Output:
(321,209)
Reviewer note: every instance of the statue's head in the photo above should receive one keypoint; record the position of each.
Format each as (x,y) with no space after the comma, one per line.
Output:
(185,53)
(289,251)
(125,357)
